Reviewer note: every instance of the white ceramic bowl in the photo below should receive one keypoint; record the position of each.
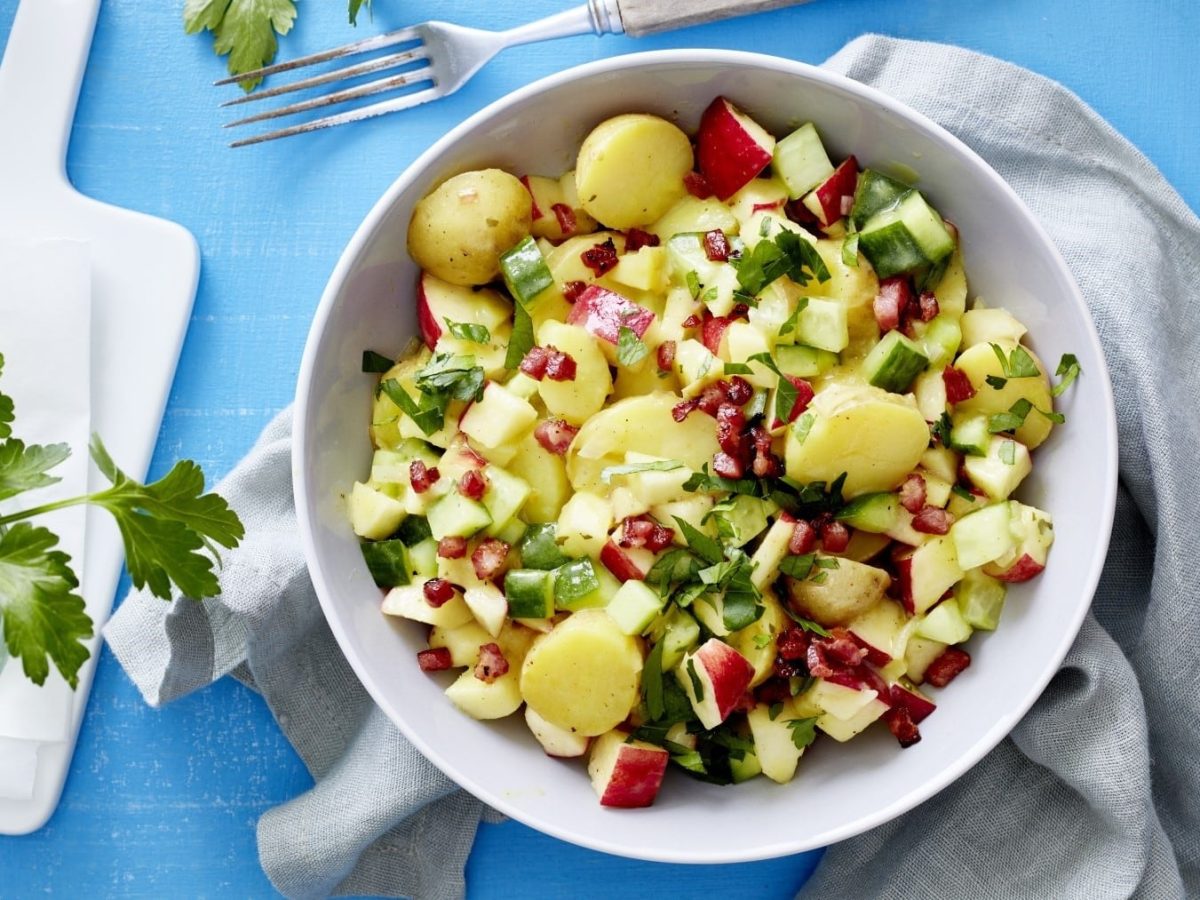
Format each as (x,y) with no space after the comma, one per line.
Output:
(840,789)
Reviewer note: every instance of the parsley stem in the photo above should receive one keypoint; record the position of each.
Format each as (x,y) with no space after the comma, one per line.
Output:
(44,508)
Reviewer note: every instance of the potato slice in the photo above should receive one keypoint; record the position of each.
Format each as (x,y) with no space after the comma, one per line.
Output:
(978,362)
(630,170)
(546,473)
(583,676)
(845,593)
(873,436)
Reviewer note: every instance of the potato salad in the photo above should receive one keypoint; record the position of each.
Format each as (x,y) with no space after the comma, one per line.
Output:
(703,454)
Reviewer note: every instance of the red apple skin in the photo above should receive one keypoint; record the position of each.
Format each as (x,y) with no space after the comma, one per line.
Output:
(636,777)
(918,707)
(602,312)
(1022,570)
(904,580)
(841,183)
(728,671)
(431,331)
(726,153)
(618,562)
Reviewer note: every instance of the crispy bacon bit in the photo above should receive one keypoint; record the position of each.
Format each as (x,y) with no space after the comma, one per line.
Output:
(422,477)
(727,466)
(452,547)
(766,465)
(665,355)
(691,321)
(697,185)
(537,212)
(716,246)
(472,484)
(892,302)
(711,398)
(793,643)
(560,366)
(740,311)
(572,289)
(488,558)
(555,435)
(798,212)
(912,493)
(438,592)
(900,724)
(492,663)
(739,391)
(435,660)
(566,218)
(785,670)
(775,690)
(804,395)
(841,647)
(762,444)
(818,665)
(534,363)
(835,537)
(730,422)
(636,239)
(681,411)
(803,539)
(711,332)
(928,305)
(958,385)
(660,538)
(946,667)
(601,257)
(932,520)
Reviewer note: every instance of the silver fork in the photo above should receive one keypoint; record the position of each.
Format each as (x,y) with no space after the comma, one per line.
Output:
(450,54)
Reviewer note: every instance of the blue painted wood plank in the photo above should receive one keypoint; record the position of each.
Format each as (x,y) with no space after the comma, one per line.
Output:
(164,803)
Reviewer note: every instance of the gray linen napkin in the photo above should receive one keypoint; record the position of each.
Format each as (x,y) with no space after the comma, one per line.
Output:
(1094,794)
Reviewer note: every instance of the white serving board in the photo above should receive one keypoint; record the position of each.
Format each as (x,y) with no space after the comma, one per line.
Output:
(144,273)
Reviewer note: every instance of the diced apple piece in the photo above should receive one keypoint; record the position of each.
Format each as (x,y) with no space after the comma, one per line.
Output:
(373,514)
(691,214)
(693,510)
(481,699)
(920,654)
(440,301)
(626,773)
(584,675)
(409,601)
(630,170)
(488,605)
(463,642)
(584,223)
(927,573)
(777,753)
(1033,533)
(771,552)
(583,524)
(824,324)
(846,592)
(645,270)
(945,624)
(742,341)
(758,642)
(654,486)
(844,729)
(696,366)
(714,678)
(622,563)
(731,148)
(999,472)
(825,200)
(885,627)
(558,742)
(499,418)
(839,701)
(602,313)
(978,362)
(579,399)
(983,536)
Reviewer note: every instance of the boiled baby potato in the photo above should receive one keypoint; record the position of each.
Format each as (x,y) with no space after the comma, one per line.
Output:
(584,674)
(843,594)
(458,231)
(582,397)
(980,361)
(875,437)
(631,168)
(757,642)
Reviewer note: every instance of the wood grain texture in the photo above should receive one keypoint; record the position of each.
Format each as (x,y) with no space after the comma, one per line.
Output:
(164,803)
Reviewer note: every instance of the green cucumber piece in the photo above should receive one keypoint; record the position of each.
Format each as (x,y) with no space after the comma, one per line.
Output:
(539,549)
(944,623)
(941,337)
(894,362)
(525,272)
(505,495)
(530,593)
(876,513)
(980,599)
(801,162)
(392,466)
(423,560)
(823,324)
(413,530)
(969,434)
(741,518)
(905,237)
(685,251)
(457,516)
(875,193)
(744,767)
(803,361)
(678,632)
(387,562)
(577,586)
(634,607)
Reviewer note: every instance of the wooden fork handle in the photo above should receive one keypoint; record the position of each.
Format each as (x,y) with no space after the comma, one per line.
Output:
(641,17)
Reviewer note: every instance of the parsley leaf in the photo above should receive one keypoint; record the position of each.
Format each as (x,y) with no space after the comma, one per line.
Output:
(697,684)
(996,381)
(467,331)
(962,493)
(802,426)
(850,250)
(806,624)
(44,620)
(166,524)
(793,319)
(788,254)
(23,468)
(804,731)
(702,481)
(761,641)
(700,543)
(674,566)
(244,29)
(1018,364)
(457,376)
(1068,369)
(941,429)
(630,349)
(1016,415)
(355,6)
(375,363)
(520,341)
(6,408)
(428,415)
(693,283)
(652,683)
(798,567)
(659,465)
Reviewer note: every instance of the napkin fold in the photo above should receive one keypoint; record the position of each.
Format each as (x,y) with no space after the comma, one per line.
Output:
(1092,796)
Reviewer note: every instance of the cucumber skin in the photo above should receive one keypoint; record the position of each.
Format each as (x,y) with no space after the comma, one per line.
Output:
(573,581)
(387,561)
(875,192)
(894,362)
(525,271)
(876,513)
(530,593)
(538,548)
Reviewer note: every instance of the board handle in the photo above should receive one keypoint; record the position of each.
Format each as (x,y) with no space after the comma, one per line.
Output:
(649,16)
(39,85)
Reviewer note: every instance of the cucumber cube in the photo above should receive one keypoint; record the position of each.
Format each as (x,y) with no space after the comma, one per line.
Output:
(413,530)
(803,361)
(576,585)
(823,324)
(801,162)
(941,338)
(969,434)
(457,516)
(744,767)
(387,561)
(525,271)
(506,494)
(678,632)
(876,513)
(945,624)
(875,193)
(980,599)
(634,607)
(894,362)
(539,549)
(423,560)
(983,536)
(530,593)
(905,237)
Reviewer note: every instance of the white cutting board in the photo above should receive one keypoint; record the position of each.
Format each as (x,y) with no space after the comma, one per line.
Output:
(144,273)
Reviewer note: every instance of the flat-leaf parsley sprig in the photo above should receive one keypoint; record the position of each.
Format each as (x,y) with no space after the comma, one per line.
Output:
(171,530)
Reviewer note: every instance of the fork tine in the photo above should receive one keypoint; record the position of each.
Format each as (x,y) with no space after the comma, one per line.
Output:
(376,42)
(366,112)
(415,76)
(391,61)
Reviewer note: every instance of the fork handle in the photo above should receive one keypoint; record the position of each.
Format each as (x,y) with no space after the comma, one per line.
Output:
(641,17)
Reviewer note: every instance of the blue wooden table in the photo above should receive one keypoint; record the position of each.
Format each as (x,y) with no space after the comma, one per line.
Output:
(164,803)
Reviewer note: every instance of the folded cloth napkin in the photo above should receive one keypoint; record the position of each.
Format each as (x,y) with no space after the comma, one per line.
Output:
(1069,806)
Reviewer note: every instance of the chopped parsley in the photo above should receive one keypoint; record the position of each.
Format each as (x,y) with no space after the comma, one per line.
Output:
(652,683)
(630,348)
(693,283)
(375,363)
(804,731)
(1018,363)
(798,567)
(1068,369)
(802,426)
(941,429)
(520,341)
(659,465)
(1016,416)
(428,414)
(787,255)
(455,376)
(793,319)
(697,684)
(762,641)
(467,331)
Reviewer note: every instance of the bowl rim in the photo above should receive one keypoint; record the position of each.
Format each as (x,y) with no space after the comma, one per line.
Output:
(737,59)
